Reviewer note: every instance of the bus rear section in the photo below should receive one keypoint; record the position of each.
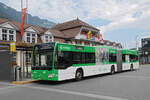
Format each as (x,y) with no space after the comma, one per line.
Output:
(130,59)
(123,59)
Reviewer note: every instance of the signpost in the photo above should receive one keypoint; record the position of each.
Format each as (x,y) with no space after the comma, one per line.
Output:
(12,47)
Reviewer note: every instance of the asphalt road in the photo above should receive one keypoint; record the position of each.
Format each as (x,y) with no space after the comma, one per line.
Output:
(130,85)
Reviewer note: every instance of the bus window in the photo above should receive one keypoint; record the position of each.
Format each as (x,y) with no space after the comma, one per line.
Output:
(83,60)
(64,60)
(43,58)
(123,58)
(133,58)
(90,58)
(112,58)
(127,58)
(76,57)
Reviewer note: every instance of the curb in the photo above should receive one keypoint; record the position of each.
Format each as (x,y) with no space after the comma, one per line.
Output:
(23,82)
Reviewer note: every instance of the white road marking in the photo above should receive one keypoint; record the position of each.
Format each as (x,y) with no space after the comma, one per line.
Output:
(78,93)
(7,87)
(136,77)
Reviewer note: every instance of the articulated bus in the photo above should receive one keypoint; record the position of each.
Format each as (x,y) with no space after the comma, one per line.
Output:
(59,61)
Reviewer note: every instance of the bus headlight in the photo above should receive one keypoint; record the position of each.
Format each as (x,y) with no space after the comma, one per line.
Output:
(32,75)
(51,75)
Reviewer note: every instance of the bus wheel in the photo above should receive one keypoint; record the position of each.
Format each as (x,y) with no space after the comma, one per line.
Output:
(79,74)
(131,67)
(112,70)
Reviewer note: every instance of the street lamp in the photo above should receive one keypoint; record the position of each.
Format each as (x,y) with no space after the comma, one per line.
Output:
(137,42)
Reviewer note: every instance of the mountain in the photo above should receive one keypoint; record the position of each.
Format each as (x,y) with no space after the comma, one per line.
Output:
(12,14)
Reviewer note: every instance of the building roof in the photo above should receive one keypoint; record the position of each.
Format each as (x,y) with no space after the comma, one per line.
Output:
(64,30)
(72,24)
(40,29)
(72,33)
(57,33)
(3,20)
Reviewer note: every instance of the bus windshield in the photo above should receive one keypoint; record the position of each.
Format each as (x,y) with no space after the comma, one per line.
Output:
(42,56)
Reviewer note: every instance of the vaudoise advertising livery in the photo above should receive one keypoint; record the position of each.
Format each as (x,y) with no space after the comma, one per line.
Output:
(58,61)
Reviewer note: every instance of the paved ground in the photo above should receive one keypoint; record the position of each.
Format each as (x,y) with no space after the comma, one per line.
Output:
(121,86)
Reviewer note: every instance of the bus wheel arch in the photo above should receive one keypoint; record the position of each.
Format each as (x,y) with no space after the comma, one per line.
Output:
(112,71)
(79,74)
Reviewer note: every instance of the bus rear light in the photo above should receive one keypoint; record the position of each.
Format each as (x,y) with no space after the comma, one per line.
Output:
(51,75)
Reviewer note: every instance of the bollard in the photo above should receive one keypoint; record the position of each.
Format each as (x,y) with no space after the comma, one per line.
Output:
(17,73)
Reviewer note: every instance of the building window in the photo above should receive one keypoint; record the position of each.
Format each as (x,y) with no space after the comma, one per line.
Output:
(4,37)
(8,34)
(4,30)
(48,38)
(33,38)
(86,43)
(69,42)
(28,57)
(11,35)
(78,42)
(30,37)
(4,34)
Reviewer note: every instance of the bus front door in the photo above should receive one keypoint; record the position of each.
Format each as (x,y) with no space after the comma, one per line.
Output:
(119,60)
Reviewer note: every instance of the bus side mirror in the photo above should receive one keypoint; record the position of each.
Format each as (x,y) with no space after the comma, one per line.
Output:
(60,54)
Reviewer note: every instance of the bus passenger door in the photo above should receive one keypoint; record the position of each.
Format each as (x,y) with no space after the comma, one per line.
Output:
(119,60)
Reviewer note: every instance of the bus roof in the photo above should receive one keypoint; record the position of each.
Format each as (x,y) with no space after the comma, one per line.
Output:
(130,52)
(84,48)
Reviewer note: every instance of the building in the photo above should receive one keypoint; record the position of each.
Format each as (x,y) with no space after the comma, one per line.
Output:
(76,31)
(144,51)
(68,32)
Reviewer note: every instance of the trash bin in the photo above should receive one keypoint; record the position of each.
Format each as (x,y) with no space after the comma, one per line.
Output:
(17,73)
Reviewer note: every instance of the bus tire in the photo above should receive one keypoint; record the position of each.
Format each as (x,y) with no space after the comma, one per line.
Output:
(131,67)
(79,74)
(112,70)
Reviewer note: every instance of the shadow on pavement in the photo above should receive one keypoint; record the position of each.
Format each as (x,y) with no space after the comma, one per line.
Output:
(45,82)
(73,80)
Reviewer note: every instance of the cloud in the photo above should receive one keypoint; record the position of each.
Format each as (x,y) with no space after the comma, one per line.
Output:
(125,16)
(60,10)
(119,14)
(116,11)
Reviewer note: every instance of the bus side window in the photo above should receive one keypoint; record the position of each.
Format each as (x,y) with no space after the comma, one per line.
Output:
(92,57)
(76,57)
(86,58)
(127,58)
(133,58)
(83,59)
(112,58)
(64,59)
(123,58)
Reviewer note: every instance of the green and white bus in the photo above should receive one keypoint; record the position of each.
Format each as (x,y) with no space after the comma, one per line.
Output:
(59,61)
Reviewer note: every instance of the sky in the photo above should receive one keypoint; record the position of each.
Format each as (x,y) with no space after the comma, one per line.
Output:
(124,21)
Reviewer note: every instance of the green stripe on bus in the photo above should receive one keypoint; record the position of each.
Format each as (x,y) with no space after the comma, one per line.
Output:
(89,64)
(43,74)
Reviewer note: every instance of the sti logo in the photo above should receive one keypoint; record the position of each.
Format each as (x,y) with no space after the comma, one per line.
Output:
(62,47)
